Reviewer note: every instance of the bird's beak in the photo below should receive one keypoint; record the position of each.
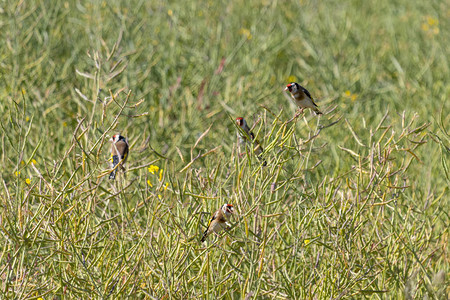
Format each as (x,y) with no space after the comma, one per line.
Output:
(286,89)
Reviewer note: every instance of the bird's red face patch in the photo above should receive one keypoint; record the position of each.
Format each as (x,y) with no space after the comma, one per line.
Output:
(230,208)
(289,87)
(293,87)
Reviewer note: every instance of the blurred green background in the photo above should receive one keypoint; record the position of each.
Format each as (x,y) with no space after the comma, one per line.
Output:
(361,209)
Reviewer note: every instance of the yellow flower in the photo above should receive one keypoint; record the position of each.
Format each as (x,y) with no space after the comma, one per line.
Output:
(65,124)
(28,181)
(160,174)
(432,21)
(292,78)
(153,169)
(149,183)
(33,161)
(24,92)
(352,97)
(159,197)
(166,186)
(170,12)
(245,32)
(430,25)
(22,162)
(27,118)
(17,173)
(306,242)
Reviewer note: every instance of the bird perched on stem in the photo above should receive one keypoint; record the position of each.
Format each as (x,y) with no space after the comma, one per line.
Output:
(247,136)
(219,220)
(119,153)
(302,98)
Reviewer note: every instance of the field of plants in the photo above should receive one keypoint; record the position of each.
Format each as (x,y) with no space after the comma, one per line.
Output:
(352,204)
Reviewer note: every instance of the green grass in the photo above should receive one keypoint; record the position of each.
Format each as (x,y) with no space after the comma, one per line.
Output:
(351,205)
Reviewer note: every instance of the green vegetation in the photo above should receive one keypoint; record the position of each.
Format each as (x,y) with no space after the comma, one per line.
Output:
(354,204)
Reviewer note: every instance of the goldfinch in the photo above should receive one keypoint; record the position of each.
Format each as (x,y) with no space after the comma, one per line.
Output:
(249,137)
(302,98)
(219,220)
(119,153)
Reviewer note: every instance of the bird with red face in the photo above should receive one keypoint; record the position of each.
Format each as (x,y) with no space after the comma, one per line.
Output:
(302,98)
(119,153)
(219,221)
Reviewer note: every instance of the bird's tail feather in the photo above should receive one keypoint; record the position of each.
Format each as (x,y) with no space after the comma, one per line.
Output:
(258,149)
(115,161)
(204,236)
(264,162)
(317,111)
